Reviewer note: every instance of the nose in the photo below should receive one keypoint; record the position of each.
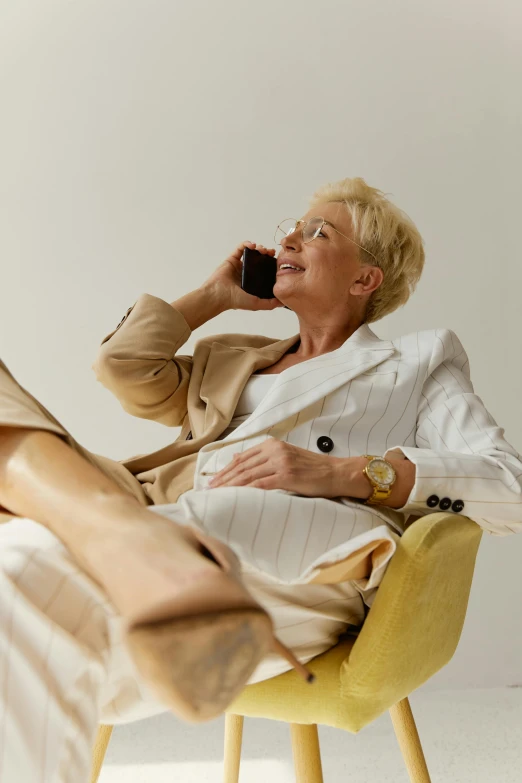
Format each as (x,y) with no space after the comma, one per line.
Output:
(292,241)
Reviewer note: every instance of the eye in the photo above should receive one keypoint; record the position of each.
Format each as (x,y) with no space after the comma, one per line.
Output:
(321,234)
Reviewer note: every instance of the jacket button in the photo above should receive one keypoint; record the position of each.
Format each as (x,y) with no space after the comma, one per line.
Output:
(432,501)
(457,506)
(325,444)
(445,503)
(125,316)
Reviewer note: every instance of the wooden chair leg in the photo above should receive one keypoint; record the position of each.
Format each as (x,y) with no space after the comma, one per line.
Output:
(307,754)
(233,740)
(409,742)
(100,747)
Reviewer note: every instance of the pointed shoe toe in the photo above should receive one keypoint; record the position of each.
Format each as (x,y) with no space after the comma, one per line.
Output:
(197,665)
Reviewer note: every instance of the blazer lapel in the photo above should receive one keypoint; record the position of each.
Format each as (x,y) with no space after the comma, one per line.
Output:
(226,373)
(294,389)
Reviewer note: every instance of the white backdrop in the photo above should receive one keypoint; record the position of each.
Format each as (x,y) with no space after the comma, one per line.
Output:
(142,140)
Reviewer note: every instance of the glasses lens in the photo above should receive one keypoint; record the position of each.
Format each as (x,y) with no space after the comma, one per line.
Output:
(311,229)
(288,226)
(284,229)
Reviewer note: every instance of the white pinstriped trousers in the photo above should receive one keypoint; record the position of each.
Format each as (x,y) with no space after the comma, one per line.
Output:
(63,666)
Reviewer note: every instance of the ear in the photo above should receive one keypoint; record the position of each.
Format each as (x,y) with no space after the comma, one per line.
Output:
(370,278)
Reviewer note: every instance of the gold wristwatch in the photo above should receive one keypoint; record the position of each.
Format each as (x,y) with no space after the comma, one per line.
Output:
(381,475)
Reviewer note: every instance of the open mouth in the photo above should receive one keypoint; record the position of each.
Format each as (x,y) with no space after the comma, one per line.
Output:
(284,269)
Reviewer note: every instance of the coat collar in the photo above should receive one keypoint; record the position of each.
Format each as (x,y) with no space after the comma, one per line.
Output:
(294,389)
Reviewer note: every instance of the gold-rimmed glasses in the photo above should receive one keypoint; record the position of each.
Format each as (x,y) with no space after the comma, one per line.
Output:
(310,230)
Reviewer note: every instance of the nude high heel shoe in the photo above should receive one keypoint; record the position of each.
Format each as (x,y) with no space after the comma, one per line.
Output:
(198,651)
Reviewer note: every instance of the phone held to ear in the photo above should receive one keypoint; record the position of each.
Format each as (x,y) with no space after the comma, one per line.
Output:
(258,275)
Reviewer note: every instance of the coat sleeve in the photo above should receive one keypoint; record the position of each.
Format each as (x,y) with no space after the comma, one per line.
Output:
(138,362)
(461,451)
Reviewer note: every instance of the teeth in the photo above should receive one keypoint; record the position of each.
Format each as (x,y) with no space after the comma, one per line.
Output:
(289,266)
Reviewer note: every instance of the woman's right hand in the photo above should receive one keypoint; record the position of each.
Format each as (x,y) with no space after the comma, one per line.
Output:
(225,283)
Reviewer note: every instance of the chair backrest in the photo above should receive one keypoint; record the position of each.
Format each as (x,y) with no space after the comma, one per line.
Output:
(414,625)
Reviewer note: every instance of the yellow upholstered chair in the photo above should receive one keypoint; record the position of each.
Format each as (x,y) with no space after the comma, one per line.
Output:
(410,632)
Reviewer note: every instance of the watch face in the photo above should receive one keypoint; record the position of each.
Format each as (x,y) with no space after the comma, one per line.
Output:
(381,472)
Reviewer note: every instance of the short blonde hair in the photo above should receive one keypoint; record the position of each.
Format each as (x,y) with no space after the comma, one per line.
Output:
(388,233)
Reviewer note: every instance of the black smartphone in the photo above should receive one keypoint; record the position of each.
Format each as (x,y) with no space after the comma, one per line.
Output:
(258,275)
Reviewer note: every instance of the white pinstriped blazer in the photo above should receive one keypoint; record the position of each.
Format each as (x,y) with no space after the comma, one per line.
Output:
(411,395)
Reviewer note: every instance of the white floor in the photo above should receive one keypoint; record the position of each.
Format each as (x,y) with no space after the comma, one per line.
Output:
(469,736)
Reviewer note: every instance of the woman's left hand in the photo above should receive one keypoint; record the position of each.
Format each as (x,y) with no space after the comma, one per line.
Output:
(275,464)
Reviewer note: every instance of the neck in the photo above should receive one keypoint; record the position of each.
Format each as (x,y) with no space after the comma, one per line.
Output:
(315,341)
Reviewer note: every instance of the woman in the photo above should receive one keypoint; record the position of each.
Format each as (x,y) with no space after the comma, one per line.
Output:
(304,457)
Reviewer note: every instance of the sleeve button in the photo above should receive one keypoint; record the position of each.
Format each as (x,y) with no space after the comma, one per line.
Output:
(445,503)
(457,506)
(432,501)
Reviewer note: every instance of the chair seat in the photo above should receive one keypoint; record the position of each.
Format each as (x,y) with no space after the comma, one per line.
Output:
(289,698)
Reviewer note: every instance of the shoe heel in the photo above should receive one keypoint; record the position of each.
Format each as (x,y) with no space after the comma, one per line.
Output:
(279,648)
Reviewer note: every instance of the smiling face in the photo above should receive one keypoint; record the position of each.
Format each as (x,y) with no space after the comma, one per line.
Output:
(332,279)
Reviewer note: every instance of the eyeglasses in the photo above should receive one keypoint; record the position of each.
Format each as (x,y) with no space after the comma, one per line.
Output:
(310,230)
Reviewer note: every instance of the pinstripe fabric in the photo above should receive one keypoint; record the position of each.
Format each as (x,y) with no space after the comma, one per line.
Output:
(460,451)
(63,666)
(414,398)
(277,548)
